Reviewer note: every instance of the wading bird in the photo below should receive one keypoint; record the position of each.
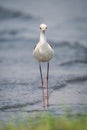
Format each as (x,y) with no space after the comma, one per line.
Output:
(43,52)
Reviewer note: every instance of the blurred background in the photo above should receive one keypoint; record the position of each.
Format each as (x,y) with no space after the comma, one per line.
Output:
(20,87)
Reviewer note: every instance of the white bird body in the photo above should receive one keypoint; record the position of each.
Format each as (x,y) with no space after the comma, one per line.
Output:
(43,52)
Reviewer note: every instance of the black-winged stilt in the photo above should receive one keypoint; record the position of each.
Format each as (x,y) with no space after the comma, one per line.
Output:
(43,52)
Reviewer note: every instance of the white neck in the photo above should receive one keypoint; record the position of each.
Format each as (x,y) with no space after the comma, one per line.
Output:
(42,37)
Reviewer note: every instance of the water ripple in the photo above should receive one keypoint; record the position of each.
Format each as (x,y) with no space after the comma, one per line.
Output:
(77,79)
(10,14)
(17,106)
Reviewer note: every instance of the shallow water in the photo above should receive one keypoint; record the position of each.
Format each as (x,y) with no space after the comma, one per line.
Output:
(20,86)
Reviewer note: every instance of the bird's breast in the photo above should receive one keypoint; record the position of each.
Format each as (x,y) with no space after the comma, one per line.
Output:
(43,52)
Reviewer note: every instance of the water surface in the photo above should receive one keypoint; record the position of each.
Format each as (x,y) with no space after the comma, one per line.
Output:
(20,86)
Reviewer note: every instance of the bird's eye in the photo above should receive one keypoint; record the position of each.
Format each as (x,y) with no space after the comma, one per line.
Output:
(40,27)
(46,27)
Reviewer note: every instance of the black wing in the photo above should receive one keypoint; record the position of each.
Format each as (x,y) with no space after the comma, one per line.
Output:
(35,46)
(51,45)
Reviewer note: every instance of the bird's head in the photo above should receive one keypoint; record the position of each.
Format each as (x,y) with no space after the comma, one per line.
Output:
(43,27)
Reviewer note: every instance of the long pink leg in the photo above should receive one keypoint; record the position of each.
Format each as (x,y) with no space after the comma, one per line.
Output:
(42,84)
(47,83)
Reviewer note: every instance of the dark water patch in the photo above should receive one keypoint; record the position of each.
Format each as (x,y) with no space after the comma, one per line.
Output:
(72,62)
(77,79)
(79,46)
(37,110)
(74,45)
(17,40)
(11,32)
(16,87)
(10,39)
(17,106)
(1,60)
(6,14)
(10,85)
(14,83)
(61,85)
(70,54)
